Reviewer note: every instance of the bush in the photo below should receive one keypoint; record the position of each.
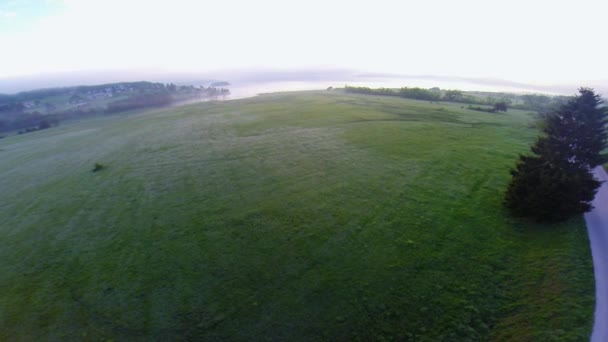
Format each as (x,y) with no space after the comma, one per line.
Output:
(481,109)
(98,167)
(500,107)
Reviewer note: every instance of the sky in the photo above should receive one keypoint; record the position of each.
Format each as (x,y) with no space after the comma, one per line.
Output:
(532,41)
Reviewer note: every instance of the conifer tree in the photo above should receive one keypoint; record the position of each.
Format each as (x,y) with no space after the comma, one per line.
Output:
(556,182)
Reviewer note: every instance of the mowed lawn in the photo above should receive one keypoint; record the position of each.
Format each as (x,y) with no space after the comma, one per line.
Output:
(295,216)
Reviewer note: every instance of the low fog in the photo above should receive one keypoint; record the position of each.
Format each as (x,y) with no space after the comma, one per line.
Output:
(264,80)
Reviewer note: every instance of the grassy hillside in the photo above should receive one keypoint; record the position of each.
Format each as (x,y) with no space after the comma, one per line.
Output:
(304,216)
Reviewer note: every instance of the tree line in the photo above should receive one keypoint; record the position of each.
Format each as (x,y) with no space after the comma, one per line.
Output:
(17,114)
(496,102)
(33,95)
(412,93)
(14,118)
(435,95)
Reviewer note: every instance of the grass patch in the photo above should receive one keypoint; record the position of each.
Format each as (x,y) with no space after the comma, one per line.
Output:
(306,216)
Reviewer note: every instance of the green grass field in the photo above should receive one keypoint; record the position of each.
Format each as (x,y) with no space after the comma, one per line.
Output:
(295,216)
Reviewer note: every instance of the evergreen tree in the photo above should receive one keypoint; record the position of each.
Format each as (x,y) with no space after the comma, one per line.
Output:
(500,106)
(556,182)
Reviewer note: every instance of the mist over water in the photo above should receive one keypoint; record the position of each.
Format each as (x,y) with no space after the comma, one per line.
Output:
(246,83)
(248,89)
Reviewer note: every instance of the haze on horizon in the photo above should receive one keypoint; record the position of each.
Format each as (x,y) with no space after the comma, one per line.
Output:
(540,42)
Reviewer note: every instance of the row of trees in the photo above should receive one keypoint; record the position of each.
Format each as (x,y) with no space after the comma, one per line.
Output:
(433,95)
(34,95)
(18,114)
(496,107)
(14,118)
(555,181)
(537,102)
(412,93)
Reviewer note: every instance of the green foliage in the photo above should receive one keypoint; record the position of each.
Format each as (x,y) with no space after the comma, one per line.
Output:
(98,167)
(577,133)
(499,101)
(14,118)
(481,109)
(420,94)
(172,88)
(542,103)
(548,192)
(28,111)
(405,92)
(371,91)
(454,95)
(38,94)
(500,107)
(556,182)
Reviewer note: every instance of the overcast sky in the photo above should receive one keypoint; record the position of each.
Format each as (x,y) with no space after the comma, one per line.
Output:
(533,41)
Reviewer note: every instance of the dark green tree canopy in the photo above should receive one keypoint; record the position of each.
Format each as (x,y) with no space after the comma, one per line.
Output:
(576,133)
(500,106)
(556,182)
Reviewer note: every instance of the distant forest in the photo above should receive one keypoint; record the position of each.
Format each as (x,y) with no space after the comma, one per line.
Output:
(40,109)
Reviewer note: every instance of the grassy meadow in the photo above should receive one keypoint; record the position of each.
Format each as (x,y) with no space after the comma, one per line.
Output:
(294,216)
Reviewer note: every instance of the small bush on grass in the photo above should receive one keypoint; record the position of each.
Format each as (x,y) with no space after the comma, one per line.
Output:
(98,167)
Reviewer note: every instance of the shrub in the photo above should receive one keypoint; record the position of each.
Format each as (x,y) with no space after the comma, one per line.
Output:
(98,167)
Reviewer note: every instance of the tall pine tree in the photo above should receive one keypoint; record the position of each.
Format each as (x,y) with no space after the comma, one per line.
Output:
(556,182)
